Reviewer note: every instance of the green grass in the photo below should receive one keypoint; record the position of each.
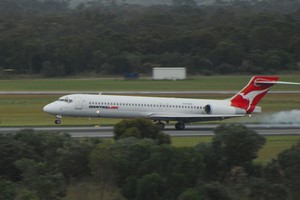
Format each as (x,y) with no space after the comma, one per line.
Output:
(275,145)
(195,83)
(92,190)
(190,141)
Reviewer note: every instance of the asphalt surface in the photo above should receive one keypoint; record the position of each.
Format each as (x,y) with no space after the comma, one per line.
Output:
(191,130)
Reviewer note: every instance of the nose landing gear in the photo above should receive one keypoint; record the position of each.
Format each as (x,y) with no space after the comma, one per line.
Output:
(58,119)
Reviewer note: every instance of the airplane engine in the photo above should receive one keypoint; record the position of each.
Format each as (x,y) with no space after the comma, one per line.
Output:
(218,109)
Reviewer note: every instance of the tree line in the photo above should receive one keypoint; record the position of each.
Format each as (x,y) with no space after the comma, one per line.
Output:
(49,38)
(142,164)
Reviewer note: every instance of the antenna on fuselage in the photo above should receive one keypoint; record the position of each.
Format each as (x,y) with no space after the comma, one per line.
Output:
(100,93)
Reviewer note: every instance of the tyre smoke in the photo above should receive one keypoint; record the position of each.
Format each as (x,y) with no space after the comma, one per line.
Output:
(283,117)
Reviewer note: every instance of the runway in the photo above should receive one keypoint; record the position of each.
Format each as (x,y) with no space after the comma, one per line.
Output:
(190,131)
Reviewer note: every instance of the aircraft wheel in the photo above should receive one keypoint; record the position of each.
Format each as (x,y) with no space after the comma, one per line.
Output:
(179,126)
(57,121)
(160,125)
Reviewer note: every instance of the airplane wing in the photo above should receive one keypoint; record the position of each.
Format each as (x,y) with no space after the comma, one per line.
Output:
(189,117)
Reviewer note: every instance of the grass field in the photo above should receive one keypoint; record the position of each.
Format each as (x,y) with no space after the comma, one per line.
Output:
(194,83)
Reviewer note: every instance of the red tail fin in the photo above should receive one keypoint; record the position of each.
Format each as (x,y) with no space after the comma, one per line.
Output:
(256,89)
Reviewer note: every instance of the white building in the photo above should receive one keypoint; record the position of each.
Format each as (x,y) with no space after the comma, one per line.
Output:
(172,73)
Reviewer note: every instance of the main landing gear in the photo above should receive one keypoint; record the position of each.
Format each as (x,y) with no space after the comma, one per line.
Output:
(178,125)
(160,125)
(58,119)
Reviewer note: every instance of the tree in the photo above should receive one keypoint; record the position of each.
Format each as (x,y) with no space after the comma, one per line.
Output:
(120,163)
(33,5)
(11,151)
(150,186)
(74,158)
(138,166)
(39,178)
(233,145)
(262,189)
(213,190)
(7,190)
(261,38)
(180,167)
(52,70)
(191,194)
(191,3)
(287,165)
(237,144)
(26,194)
(140,128)
(43,144)
(227,53)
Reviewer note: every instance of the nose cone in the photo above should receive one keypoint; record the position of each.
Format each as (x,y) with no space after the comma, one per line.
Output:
(50,108)
(47,108)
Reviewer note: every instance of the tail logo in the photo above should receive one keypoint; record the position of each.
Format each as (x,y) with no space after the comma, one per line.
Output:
(250,96)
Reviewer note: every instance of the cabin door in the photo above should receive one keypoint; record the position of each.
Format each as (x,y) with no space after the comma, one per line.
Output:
(78,103)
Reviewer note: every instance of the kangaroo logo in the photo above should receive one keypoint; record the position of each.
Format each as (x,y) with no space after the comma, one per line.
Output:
(249,97)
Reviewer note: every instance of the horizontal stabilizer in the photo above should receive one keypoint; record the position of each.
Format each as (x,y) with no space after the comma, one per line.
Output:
(275,82)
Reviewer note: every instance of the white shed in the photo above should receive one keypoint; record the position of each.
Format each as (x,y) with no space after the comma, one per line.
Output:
(172,73)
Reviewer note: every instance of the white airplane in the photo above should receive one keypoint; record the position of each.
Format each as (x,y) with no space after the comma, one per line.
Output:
(160,110)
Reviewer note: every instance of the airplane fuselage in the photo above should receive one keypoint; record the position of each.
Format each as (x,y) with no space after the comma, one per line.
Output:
(182,110)
(113,106)
(155,108)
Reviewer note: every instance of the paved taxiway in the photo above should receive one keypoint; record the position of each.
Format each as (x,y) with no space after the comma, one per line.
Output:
(191,130)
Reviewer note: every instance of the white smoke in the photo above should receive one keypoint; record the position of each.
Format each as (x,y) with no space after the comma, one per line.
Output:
(283,117)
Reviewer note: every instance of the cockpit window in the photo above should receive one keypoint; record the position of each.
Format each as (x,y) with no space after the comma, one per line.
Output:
(66,100)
